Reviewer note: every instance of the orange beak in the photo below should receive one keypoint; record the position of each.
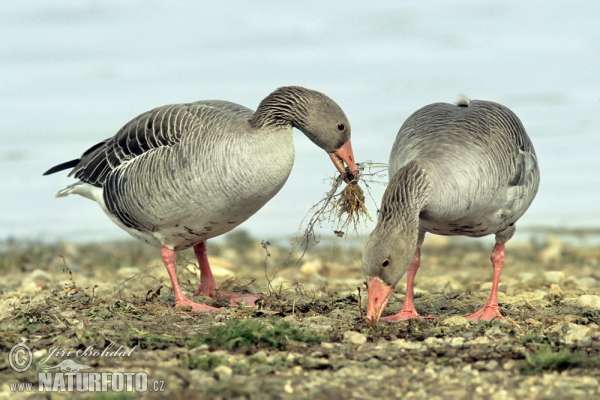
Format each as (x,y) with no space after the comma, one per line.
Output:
(345,155)
(379,295)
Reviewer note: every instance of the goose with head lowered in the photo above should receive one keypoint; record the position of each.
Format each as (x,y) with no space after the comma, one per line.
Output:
(181,174)
(455,169)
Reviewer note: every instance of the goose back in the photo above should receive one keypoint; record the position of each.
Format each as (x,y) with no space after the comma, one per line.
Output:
(480,160)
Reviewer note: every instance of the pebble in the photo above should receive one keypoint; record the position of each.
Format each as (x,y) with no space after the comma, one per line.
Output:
(36,281)
(586,282)
(481,340)
(354,337)
(487,287)
(456,320)
(495,333)
(491,365)
(588,301)
(311,267)
(574,332)
(127,272)
(554,276)
(260,355)
(457,342)
(510,364)
(223,372)
(526,276)
(343,372)
(405,344)
(433,342)
(288,387)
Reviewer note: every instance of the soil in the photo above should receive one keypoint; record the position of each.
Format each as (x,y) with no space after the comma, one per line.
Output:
(307,338)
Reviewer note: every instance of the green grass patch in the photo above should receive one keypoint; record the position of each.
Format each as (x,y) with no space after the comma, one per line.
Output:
(547,360)
(203,363)
(235,334)
(534,337)
(145,340)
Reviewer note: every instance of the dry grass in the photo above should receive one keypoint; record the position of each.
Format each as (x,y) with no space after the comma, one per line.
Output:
(345,210)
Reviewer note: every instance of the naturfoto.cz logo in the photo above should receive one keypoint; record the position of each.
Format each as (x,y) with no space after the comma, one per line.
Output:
(70,376)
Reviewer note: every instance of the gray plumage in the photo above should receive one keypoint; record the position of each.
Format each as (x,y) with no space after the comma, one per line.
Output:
(180,174)
(465,169)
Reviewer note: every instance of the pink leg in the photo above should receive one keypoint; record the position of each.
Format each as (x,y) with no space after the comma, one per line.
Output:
(491,311)
(207,281)
(408,309)
(168,257)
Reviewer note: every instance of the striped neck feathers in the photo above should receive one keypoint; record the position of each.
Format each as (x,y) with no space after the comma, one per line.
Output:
(404,198)
(286,106)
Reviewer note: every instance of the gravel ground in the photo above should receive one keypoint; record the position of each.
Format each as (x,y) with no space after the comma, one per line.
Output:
(307,338)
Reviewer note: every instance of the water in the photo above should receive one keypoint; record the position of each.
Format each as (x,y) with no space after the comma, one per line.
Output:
(73,72)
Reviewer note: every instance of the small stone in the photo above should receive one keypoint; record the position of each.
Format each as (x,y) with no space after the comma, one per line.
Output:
(223,372)
(480,340)
(495,333)
(555,293)
(327,345)
(405,344)
(553,249)
(586,282)
(433,342)
(588,301)
(220,272)
(554,276)
(344,372)
(456,320)
(39,353)
(526,276)
(354,337)
(574,332)
(457,342)
(288,387)
(311,267)
(128,272)
(487,287)
(491,365)
(588,381)
(36,281)
(510,364)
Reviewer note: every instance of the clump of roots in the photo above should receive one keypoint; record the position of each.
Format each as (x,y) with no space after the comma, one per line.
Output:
(350,207)
(346,209)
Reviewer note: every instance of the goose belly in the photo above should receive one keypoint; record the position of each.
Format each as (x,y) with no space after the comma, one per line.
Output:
(471,226)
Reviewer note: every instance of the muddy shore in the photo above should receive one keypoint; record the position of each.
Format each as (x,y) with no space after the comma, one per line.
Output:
(306,338)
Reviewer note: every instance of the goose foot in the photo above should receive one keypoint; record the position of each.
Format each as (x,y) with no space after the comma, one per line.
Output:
(197,307)
(487,313)
(168,256)
(236,298)
(405,314)
(491,311)
(208,285)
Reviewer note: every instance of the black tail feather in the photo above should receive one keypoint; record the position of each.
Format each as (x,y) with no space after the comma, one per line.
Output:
(60,167)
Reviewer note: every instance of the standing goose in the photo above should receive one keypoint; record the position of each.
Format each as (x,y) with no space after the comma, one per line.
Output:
(180,174)
(466,169)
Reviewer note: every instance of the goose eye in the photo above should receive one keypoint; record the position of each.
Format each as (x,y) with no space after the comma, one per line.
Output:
(341,127)
(385,263)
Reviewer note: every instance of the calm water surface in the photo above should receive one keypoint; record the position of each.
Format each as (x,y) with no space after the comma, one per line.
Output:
(73,72)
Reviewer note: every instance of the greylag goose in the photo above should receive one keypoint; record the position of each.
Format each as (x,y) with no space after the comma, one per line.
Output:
(455,169)
(180,174)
